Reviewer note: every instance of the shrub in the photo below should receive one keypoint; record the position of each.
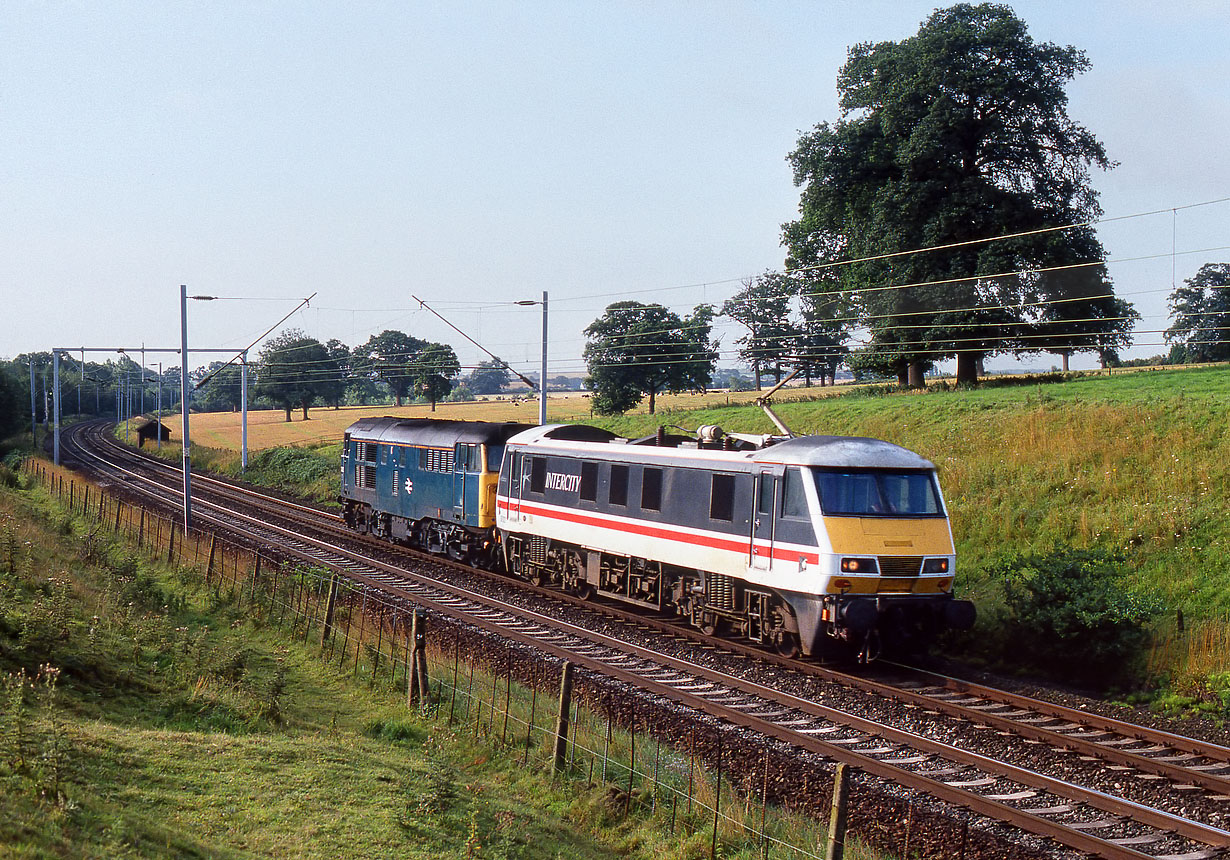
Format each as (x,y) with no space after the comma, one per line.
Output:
(1070,616)
(292,466)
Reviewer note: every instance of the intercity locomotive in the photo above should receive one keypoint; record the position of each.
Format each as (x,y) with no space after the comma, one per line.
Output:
(802,543)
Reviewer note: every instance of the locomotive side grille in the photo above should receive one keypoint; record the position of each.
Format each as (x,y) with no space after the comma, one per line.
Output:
(900,565)
(721,592)
(364,476)
(436,459)
(536,550)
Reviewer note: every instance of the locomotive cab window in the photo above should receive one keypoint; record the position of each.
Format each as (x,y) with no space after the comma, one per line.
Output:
(764,501)
(794,500)
(877,493)
(722,498)
(467,458)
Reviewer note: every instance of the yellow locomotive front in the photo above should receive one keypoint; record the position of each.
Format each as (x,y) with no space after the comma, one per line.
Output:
(886,561)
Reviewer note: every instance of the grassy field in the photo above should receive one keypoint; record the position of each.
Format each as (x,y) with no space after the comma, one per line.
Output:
(1137,462)
(144,714)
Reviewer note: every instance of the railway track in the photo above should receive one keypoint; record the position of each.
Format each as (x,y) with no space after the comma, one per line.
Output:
(1170,797)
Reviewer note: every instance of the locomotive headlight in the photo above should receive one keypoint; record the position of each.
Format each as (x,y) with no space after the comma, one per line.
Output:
(858,565)
(935,565)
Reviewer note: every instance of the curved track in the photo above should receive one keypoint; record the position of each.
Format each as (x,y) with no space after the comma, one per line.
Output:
(919,731)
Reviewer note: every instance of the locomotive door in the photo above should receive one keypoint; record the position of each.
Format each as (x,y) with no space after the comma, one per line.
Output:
(516,483)
(764,531)
(461,465)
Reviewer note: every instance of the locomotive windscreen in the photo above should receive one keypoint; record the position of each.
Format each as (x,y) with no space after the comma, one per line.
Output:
(877,493)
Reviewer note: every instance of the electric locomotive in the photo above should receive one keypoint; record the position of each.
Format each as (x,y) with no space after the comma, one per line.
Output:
(800,543)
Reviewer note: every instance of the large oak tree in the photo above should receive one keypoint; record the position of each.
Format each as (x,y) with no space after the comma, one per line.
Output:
(955,135)
(390,356)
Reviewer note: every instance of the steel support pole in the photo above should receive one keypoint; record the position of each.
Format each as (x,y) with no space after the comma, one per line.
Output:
(542,381)
(183,403)
(80,380)
(243,408)
(158,432)
(142,382)
(33,406)
(55,376)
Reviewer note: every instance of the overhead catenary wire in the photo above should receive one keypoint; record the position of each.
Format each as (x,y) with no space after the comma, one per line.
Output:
(858,321)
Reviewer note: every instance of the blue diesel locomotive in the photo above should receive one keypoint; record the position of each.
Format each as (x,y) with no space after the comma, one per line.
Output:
(426,483)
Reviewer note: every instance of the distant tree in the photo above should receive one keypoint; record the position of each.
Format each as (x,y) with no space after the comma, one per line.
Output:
(635,349)
(950,137)
(14,400)
(763,306)
(222,392)
(461,393)
(490,377)
(391,356)
(824,328)
(1201,312)
(170,386)
(362,390)
(433,371)
(333,388)
(291,368)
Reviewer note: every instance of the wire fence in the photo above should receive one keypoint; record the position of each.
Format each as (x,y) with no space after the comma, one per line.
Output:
(750,797)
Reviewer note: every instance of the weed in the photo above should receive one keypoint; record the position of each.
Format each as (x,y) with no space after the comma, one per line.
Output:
(436,790)
(15,731)
(395,731)
(473,843)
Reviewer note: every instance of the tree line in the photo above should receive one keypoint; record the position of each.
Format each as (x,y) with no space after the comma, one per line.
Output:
(946,214)
(291,371)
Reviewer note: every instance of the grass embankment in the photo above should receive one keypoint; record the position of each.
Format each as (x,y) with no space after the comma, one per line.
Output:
(1136,462)
(143,714)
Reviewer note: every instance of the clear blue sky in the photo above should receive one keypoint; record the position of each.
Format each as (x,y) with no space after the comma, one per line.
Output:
(476,153)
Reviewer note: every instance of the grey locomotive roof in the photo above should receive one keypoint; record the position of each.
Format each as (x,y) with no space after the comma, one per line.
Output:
(433,432)
(842,452)
(838,452)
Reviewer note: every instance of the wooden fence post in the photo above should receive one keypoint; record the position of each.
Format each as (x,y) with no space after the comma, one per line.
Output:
(327,627)
(256,572)
(420,684)
(561,719)
(171,544)
(837,821)
(213,548)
